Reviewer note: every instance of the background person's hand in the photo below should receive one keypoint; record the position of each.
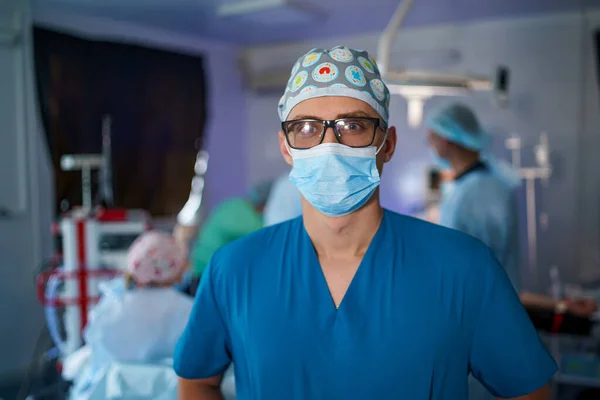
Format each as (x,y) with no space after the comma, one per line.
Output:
(581,306)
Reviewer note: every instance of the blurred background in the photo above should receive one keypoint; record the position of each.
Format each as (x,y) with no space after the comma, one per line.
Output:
(163,80)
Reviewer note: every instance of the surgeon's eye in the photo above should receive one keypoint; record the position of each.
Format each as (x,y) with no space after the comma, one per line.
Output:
(305,128)
(355,126)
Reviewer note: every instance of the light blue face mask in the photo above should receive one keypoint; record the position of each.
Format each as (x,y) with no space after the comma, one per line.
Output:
(440,162)
(335,179)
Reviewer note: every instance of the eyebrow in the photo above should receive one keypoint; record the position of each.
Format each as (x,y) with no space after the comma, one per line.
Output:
(355,114)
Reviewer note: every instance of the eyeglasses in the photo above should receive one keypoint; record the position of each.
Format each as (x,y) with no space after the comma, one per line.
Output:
(303,134)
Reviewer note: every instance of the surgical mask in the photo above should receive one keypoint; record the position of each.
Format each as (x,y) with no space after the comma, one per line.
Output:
(446,189)
(440,162)
(335,179)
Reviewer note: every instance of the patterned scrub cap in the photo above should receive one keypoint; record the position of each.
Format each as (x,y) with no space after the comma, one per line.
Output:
(337,72)
(155,257)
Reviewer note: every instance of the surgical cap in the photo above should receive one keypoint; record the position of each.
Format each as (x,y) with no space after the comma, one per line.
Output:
(457,123)
(259,193)
(155,257)
(337,72)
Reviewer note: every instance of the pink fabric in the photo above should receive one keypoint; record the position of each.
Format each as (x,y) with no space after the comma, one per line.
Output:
(155,257)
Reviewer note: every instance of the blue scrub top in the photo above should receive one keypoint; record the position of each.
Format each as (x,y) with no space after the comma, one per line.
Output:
(427,306)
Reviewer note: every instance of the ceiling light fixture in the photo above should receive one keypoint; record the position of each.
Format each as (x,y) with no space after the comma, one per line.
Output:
(417,86)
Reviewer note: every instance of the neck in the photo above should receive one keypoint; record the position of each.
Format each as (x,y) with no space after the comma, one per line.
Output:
(463,163)
(347,236)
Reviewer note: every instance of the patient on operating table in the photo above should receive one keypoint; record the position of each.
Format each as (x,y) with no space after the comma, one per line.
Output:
(140,318)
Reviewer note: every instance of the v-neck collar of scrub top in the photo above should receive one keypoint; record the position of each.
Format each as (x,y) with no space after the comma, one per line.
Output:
(372,267)
(336,324)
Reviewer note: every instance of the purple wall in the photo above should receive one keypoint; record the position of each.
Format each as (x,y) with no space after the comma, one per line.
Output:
(225,130)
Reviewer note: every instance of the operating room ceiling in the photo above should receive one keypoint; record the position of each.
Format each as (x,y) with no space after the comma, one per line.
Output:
(285,23)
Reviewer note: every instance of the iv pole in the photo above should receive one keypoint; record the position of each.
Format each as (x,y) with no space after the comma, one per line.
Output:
(542,171)
(88,162)
(106,171)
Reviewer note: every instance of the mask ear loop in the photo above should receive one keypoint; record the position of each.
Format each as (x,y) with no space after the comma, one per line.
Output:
(288,148)
(382,143)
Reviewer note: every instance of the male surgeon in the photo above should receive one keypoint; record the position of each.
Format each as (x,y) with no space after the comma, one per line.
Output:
(351,301)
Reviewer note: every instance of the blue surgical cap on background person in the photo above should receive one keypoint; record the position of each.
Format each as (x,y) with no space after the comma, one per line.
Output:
(457,123)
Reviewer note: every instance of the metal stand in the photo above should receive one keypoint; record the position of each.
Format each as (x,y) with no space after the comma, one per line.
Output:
(106,172)
(85,163)
(542,171)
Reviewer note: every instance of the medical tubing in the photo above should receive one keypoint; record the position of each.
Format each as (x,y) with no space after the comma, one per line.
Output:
(50,312)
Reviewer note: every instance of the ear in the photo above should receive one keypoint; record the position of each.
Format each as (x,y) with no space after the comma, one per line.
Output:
(389,147)
(283,147)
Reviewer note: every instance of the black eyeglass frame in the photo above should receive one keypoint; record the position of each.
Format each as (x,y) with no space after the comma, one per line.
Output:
(332,123)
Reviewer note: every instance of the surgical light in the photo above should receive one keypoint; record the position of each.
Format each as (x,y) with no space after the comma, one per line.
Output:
(418,86)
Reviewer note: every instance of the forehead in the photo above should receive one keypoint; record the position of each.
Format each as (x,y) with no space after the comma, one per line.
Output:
(331,107)
(433,135)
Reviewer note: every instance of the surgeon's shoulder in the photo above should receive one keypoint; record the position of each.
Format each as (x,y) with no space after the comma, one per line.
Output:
(439,245)
(254,249)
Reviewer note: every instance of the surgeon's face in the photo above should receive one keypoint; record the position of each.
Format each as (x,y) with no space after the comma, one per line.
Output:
(438,144)
(336,107)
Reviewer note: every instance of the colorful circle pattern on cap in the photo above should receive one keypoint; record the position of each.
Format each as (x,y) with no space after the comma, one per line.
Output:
(378,89)
(366,64)
(355,76)
(155,257)
(311,59)
(341,54)
(341,71)
(325,72)
(374,62)
(299,81)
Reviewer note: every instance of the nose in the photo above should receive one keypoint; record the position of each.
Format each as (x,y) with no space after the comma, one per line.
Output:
(330,136)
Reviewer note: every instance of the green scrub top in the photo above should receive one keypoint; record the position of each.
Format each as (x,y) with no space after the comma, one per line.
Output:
(230,220)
